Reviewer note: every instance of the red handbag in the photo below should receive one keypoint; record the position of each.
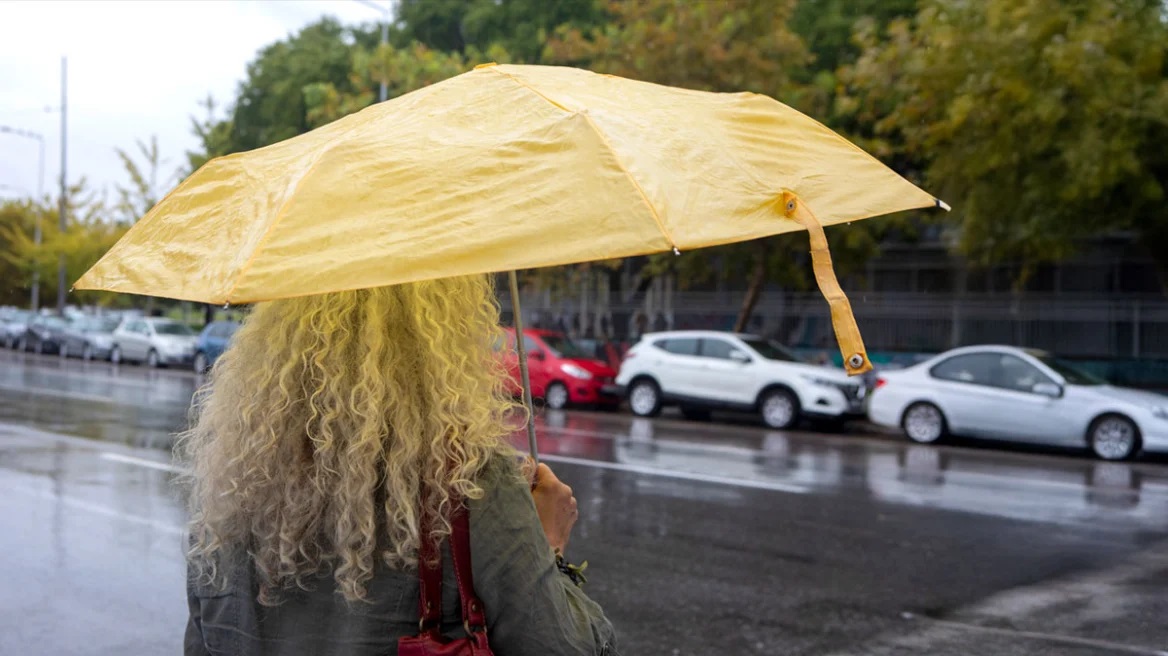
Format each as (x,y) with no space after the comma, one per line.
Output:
(429,641)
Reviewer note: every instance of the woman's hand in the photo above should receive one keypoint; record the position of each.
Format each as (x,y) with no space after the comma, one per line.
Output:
(556,507)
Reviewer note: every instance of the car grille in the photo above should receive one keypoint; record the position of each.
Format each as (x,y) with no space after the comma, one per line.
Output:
(853,393)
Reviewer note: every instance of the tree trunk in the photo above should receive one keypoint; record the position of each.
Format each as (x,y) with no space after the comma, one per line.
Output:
(208,314)
(754,291)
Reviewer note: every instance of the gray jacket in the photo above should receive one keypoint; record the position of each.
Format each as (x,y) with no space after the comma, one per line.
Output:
(532,608)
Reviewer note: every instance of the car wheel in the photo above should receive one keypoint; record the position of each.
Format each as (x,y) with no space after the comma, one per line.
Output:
(200,364)
(645,398)
(40,347)
(152,359)
(116,355)
(1114,437)
(556,396)
(923,423)
(87,352)
(695,414)
(779,408)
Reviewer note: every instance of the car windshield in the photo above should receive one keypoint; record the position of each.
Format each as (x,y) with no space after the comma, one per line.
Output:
(54,322)
(169,328)
(770,349)
(563,347)
(1072,374)
(100,325)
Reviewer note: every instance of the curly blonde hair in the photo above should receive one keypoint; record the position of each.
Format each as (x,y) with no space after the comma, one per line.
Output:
(331,417)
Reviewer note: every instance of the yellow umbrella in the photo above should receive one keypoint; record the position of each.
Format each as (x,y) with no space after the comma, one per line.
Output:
(504,168)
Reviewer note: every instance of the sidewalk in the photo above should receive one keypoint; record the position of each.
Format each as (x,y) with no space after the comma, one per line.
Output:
(1113,612)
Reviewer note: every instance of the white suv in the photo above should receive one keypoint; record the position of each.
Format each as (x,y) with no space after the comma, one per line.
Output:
(705,370)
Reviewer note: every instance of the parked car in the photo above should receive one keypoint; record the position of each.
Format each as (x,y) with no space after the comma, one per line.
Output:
(706,370)
(155,341)
(561,372)
(13,325)
(1019,395)
(211,344)
(44,334)
(89,338)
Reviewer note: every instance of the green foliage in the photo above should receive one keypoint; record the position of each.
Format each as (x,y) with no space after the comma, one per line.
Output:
(90,233)
(826,26)
(16,225)
(271,104)
(403,69)
(1042,122)
(144,189)
(519,27)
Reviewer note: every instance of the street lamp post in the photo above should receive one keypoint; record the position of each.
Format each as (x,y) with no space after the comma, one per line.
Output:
(386,12)
(35,299)
(64,201)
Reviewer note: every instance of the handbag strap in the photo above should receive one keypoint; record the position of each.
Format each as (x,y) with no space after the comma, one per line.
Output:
(474,618)
(429,581)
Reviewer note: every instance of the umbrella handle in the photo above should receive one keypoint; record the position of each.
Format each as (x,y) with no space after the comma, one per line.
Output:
(847,333)
(521,353)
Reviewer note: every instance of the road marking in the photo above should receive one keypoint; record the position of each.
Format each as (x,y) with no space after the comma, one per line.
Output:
(98,509)
(682,475)
(46,391)
(1044,637)
(142,462)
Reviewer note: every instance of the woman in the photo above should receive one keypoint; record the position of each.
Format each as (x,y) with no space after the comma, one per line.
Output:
(324,427)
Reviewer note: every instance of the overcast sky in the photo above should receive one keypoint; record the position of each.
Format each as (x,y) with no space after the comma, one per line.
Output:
(136,69)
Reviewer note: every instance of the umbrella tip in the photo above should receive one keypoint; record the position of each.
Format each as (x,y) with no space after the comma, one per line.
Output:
(942,204)
(676,251)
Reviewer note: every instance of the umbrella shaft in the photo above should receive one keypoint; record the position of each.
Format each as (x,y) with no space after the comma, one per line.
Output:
(521,352)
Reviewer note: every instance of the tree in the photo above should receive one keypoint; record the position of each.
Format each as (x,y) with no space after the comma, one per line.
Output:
(90,234)
(214,137)
(744,45)
(1043,122)
(271,105)
(144,189)
(520,27)
(403,69)
(17,219)
(826,26)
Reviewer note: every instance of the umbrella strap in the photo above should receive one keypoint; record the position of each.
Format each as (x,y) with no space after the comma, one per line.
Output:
(847,333)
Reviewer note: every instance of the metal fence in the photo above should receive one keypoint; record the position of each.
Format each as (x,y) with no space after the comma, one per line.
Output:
(1081,327)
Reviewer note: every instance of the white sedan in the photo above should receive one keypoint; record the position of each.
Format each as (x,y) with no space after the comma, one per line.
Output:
(1019,395)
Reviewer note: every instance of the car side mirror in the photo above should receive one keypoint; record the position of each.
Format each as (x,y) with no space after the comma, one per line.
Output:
(1049,389)
(536,355)
(739,357)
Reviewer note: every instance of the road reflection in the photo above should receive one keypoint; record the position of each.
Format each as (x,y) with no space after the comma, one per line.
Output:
(977,481)
(142,407)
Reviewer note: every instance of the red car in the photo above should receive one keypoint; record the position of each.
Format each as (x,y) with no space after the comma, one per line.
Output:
(561,372)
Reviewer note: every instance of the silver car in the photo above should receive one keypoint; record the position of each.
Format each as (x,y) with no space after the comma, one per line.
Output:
(13,326)
(1019,395)
(89,338)
(154,341)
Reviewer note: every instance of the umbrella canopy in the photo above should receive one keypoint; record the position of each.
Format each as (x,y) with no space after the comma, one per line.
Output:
(503,167)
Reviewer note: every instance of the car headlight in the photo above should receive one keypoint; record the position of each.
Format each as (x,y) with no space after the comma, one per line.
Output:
(575,371)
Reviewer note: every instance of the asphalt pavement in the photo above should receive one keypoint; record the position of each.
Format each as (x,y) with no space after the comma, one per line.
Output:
(701,538)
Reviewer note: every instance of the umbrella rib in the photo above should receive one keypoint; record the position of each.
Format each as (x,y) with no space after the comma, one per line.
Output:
(271,227)
(607,144)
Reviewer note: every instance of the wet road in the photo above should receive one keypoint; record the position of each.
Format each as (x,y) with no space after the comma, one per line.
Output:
(701,538)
